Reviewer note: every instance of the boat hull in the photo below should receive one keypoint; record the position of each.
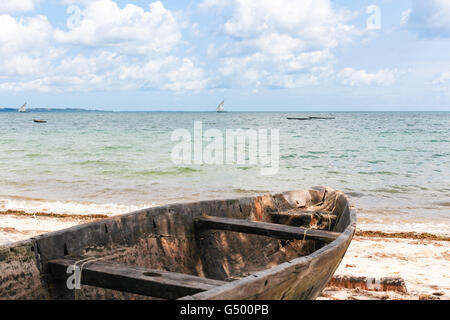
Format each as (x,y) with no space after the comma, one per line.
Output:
(164,238)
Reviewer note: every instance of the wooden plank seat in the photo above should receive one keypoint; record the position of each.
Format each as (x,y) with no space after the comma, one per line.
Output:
(133,279)
(278,231)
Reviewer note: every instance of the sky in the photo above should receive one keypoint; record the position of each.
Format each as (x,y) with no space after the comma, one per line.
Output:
(258,55)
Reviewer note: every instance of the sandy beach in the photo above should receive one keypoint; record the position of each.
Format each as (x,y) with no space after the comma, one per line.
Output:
(421,260)
(423,264)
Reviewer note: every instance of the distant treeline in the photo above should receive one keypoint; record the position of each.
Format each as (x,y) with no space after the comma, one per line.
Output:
(49,110)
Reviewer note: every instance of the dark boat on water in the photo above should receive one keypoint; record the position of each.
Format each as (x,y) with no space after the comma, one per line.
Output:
(282,246)
(39,121)
(312,118)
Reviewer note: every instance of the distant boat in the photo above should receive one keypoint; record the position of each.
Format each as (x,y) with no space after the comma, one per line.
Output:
(221,107)
(23,108)
(39,121)
(312,118)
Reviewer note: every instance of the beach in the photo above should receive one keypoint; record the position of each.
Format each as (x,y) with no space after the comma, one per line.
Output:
(421,260)
(423,264)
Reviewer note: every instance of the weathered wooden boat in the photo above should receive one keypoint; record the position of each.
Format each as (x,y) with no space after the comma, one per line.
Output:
(283,246)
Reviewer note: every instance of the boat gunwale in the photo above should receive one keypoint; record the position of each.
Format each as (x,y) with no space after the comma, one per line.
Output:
(112,218)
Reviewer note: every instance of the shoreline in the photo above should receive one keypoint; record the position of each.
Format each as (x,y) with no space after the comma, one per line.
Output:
(19,213)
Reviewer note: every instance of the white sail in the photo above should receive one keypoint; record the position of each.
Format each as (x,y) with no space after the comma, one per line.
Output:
(23,108)
(221,107)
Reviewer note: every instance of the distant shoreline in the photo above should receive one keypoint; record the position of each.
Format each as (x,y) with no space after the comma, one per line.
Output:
(50,110)
(59,110)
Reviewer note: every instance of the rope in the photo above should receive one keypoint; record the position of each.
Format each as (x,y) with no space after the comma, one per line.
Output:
(82,260)
(89,261)
(304,235)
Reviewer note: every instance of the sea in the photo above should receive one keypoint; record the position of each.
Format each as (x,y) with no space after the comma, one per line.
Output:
(394,166)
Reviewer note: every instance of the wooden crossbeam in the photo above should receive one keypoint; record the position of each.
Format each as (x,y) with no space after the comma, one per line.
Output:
(264,229)
(132,279)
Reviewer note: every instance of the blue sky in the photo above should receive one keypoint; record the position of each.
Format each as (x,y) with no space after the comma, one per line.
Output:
(282,55)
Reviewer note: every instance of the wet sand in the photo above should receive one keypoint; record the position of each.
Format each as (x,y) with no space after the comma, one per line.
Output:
(19,226)
(421,260)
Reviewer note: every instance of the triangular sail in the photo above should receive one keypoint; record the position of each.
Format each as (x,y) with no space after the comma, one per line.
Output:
(221,107)
(23,108)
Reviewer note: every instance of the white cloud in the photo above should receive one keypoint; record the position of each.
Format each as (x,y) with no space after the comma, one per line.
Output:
(131,29)
(10,6)
(430,18)
(169,73)
(305,25)
(309,19)
(32,85)
(405,17)
(280,43)
(84,2)
(206,4)
(354,78)
(112,49)
(442,78)
(25,45)
(25,35)
(110,72)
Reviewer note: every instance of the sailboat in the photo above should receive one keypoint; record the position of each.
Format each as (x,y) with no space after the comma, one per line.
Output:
(221,107)
(23,108)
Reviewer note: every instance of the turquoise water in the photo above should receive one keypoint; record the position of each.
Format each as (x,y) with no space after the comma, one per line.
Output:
(394,166)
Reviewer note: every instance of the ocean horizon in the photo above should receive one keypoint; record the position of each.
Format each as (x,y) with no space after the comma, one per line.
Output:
(165,110)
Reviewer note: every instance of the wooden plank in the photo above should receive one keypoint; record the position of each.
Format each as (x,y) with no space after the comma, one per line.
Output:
(265,229)
(133,279)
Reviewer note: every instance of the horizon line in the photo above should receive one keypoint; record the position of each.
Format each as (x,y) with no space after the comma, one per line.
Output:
(228,111)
